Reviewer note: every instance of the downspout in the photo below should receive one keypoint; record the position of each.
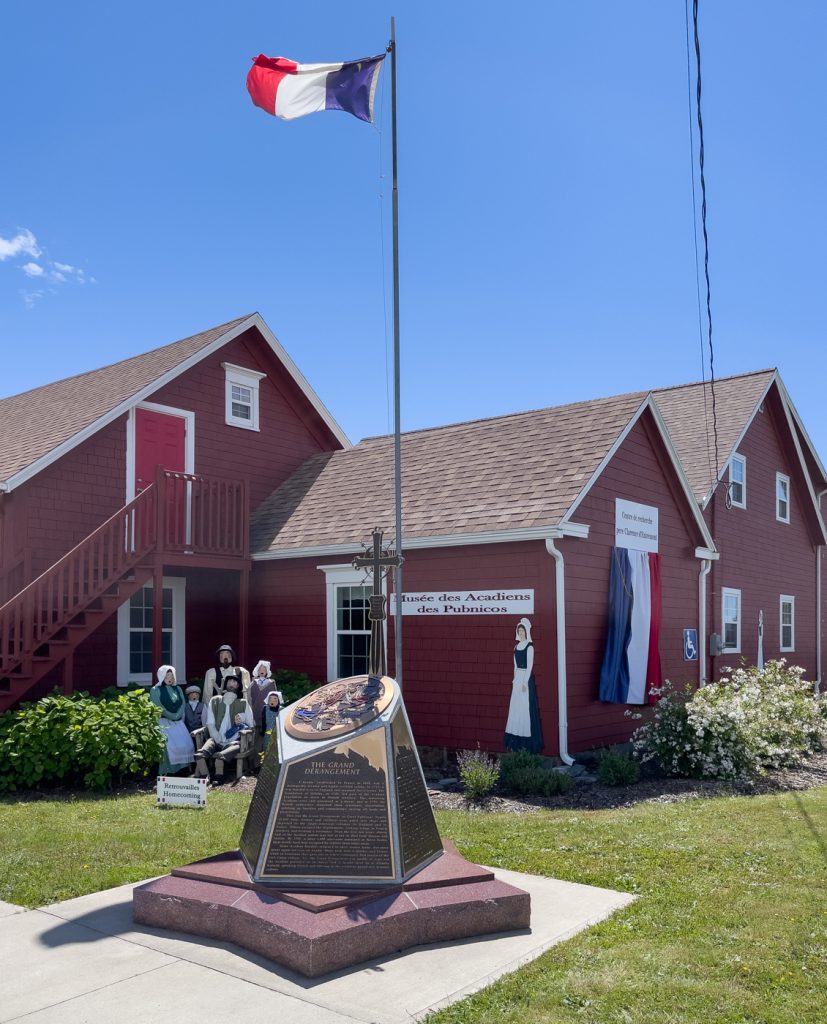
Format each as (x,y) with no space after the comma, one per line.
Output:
(706,565)
(562,689)
(707,557)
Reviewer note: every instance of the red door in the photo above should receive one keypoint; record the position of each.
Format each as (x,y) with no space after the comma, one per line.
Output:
(160,440)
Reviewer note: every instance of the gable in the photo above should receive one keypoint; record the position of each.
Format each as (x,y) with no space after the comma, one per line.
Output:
(41,425)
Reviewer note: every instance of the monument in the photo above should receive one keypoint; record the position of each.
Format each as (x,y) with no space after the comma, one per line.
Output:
(340,860)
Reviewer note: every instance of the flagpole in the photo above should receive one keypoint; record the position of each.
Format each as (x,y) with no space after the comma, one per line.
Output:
(397,435)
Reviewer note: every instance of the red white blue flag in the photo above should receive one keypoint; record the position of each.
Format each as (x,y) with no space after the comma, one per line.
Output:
(631,660)
(287,89)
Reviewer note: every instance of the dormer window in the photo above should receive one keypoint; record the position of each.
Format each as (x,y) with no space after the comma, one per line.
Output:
(738,481)
(241,396)
(782,498)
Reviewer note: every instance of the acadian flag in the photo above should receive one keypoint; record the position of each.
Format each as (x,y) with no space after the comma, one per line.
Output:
(287,89)
(631,661)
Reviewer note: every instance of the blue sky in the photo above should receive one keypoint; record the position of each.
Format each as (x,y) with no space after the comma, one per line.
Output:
(545,197)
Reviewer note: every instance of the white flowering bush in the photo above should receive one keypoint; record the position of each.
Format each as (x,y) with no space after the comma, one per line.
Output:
(746,724)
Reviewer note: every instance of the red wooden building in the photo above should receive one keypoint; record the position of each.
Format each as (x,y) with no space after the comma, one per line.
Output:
(250,528)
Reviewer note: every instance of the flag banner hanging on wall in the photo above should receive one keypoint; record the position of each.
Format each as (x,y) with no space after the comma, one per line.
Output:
(631,661)
(288,90)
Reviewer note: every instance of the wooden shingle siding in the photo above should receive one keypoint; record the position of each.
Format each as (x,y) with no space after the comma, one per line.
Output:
(639,471)
(761,557)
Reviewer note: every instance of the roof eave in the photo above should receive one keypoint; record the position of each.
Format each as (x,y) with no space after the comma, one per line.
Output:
(254,320)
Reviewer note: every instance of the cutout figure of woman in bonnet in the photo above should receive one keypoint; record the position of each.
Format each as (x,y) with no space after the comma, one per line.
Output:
(167,695)
(522,730)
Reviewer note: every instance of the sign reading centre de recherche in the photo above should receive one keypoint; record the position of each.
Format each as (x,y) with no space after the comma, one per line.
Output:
(636,526)
(174,792)
(466,602)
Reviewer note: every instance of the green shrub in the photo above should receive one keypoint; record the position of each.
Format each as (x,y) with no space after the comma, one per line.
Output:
(115,692)
(293,685)
(526,773)
(479,772)
(617,769)
(748,723)
(79,738)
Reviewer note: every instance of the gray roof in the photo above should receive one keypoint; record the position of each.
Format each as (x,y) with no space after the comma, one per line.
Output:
(36,422)
(509,472)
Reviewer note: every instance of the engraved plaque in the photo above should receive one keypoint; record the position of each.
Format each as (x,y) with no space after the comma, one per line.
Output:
(341,803)
(417,827)
(339,708)
(333,818)
(255,827)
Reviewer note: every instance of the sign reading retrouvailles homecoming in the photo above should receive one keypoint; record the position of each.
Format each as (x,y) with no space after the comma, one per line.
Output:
(466,602)
(636,526)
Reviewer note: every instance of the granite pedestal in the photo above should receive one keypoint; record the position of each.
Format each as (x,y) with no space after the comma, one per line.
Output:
(315,933)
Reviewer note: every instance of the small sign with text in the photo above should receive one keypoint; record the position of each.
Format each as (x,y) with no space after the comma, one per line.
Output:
(174,792)
(466,602)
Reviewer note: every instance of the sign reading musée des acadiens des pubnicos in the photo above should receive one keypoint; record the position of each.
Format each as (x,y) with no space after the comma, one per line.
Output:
(466,602)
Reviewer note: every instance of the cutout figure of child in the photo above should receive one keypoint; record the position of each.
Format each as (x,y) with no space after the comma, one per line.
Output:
(269,717)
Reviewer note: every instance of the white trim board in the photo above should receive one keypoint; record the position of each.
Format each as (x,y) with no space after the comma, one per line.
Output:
(448,540)
(650,403)
(255,320)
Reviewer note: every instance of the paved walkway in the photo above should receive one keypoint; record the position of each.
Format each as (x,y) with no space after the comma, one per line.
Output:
(85,962)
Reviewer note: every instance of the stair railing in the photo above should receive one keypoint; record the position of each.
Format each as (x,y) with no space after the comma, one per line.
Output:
(51,601)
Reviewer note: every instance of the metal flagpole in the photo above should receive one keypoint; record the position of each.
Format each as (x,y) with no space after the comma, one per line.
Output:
(397,438)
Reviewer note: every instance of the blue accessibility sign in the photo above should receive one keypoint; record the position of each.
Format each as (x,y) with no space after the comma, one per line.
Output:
(690,645)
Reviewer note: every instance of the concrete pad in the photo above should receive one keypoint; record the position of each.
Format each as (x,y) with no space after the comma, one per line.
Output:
(182,992)
(7,909)
(58,960)
(390,990)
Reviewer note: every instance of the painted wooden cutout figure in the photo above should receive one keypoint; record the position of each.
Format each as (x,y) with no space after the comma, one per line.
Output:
(168,697)
(522,730)
(214,677)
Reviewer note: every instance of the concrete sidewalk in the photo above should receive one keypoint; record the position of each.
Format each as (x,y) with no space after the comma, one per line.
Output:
(85,962)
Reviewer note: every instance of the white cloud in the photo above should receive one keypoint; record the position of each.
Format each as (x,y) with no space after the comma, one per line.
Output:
(45,271)
(23,244)
(30,298)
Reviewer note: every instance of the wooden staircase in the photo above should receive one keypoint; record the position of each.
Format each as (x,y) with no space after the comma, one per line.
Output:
(45,622)
(181,519)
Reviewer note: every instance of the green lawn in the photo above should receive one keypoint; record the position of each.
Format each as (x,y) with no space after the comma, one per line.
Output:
(730,924)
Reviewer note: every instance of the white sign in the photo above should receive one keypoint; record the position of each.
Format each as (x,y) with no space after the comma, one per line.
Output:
(182,792)
(636,526)
(466,602)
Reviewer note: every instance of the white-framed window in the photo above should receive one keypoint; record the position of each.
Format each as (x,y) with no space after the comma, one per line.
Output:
(241,400)
(782,498)
(731,620)
(348,625)
(135,632)
(738,481)
(786,630)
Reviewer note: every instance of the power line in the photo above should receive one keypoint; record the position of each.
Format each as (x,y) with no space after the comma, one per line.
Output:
(695,236)
(701,154)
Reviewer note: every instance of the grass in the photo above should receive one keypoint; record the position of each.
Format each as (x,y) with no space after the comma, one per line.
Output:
(730,926)
(53,850)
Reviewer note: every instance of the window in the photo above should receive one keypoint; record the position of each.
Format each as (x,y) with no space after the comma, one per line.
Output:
(135,632)
(348,625)
(782,498)
(787,627)
(352,631)
(241,396)
(731,620)
(738,481)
